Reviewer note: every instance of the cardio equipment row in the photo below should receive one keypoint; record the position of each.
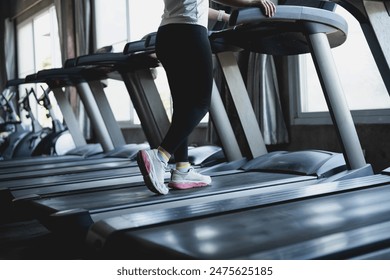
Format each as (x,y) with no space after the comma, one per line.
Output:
(115,167)
(282,190)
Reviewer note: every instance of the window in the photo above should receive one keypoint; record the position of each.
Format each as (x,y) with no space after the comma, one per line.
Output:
(128,20)
(363,86)
(37,49)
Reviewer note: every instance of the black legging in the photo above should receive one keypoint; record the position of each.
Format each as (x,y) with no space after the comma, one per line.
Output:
(185,53)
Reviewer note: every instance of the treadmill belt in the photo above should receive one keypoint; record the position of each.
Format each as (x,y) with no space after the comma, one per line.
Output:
(51,185)
(53,180)
(309,229)
(139,194)
(62,170)
(118,177)
(66,163)
(22,162)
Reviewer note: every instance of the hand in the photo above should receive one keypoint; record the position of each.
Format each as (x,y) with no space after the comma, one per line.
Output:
(268,7)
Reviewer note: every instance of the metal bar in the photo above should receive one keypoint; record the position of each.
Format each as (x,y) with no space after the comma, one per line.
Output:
(379,21)
(69,117)
(337,103)
(387,5)
(242,103)
(223,127)
(147,102)
(108,117)
(96,119)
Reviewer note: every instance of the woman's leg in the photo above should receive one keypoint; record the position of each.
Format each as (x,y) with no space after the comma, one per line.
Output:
(184,51)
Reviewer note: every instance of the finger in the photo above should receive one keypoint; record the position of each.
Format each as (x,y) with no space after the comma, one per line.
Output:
(270,8)
(273,9)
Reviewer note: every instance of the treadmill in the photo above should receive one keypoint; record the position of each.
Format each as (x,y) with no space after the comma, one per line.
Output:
(59,170)
(83,150)
(68,117)
(63,177)
(71,214)
(79,76)
(349,220)
(19,141)
(36,168)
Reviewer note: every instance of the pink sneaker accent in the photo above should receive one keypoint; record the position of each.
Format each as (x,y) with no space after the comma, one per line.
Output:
(146,161)
(153,170)
(185,186)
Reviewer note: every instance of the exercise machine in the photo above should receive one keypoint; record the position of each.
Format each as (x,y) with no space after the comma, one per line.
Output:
(74,213)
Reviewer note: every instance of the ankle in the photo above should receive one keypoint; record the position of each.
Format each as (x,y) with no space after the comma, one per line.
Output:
(183,166)
(163,155)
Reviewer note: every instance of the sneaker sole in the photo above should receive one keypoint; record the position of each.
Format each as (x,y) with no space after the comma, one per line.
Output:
(145,167)
(187,185)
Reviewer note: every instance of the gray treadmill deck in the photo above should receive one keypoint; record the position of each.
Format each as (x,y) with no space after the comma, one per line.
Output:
(313,228)
(124,197)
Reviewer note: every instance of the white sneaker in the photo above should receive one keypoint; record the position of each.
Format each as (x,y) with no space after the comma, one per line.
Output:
(187,180)
(153,170)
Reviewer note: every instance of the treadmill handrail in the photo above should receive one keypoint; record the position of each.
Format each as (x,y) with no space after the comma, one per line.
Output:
(112,61)
(146,45)
(288,13)
(58,77)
